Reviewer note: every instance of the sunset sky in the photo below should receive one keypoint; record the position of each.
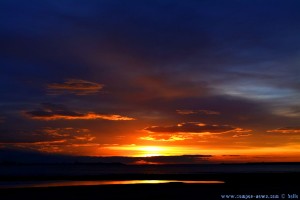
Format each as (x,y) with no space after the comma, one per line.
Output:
(151,78)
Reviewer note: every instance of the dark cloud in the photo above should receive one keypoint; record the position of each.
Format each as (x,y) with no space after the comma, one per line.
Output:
(60,112)
(48,139)
(21,136)
(47,134)
(74,86)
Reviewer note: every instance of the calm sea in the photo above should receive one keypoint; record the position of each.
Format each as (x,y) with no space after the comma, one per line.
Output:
(92,169)
(11,173)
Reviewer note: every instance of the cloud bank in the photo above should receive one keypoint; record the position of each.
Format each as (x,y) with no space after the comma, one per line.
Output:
(59,112)
(194,127)
(286,130)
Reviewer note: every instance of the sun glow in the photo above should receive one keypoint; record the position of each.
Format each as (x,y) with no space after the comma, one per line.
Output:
(143,151)
(147,151)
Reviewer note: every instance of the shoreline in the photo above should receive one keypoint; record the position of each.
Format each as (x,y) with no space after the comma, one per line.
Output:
(148,191)
(235,184)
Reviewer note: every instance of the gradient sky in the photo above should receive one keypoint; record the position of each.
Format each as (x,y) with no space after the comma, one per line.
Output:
(145,78)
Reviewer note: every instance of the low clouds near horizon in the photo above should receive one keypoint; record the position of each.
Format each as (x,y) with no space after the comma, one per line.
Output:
(50,111)
(195,127)
(286,130)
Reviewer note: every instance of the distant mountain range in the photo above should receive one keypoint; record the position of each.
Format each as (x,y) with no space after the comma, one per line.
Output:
(11,156)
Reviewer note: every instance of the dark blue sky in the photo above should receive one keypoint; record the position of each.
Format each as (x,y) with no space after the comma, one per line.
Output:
(95,77)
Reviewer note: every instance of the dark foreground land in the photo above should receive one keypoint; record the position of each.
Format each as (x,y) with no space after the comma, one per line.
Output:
(236,186)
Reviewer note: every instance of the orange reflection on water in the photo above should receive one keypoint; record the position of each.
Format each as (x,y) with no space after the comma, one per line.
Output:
(158,182)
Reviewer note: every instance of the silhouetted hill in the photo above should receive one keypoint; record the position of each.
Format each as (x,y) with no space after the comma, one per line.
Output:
(14,157)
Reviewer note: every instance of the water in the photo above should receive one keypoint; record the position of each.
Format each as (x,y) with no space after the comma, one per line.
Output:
(10,174)
(97,170)
(33,184)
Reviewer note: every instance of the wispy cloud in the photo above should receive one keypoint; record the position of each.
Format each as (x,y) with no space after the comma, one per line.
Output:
(74,86)
(204,112)
(287,130)
(86,116)
(166,137)
(46,135)
(194,127)
(59,112)
(69,133)
(191,131)
(52,140)
(244,133)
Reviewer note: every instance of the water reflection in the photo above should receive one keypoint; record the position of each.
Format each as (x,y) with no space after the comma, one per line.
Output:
(102,182)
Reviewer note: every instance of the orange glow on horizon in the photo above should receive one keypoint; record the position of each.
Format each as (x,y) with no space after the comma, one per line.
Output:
(264,154)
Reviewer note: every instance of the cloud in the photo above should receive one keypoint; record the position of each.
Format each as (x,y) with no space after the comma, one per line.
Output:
(87,116)
(59,112)
(166,137)
(50,139)
(191,131)
(193,127)
(287,130)
(205,112)
(74,86)
(45,135)
(67,139)
(289,111)
(14,136)
(242,134)
(69,133)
